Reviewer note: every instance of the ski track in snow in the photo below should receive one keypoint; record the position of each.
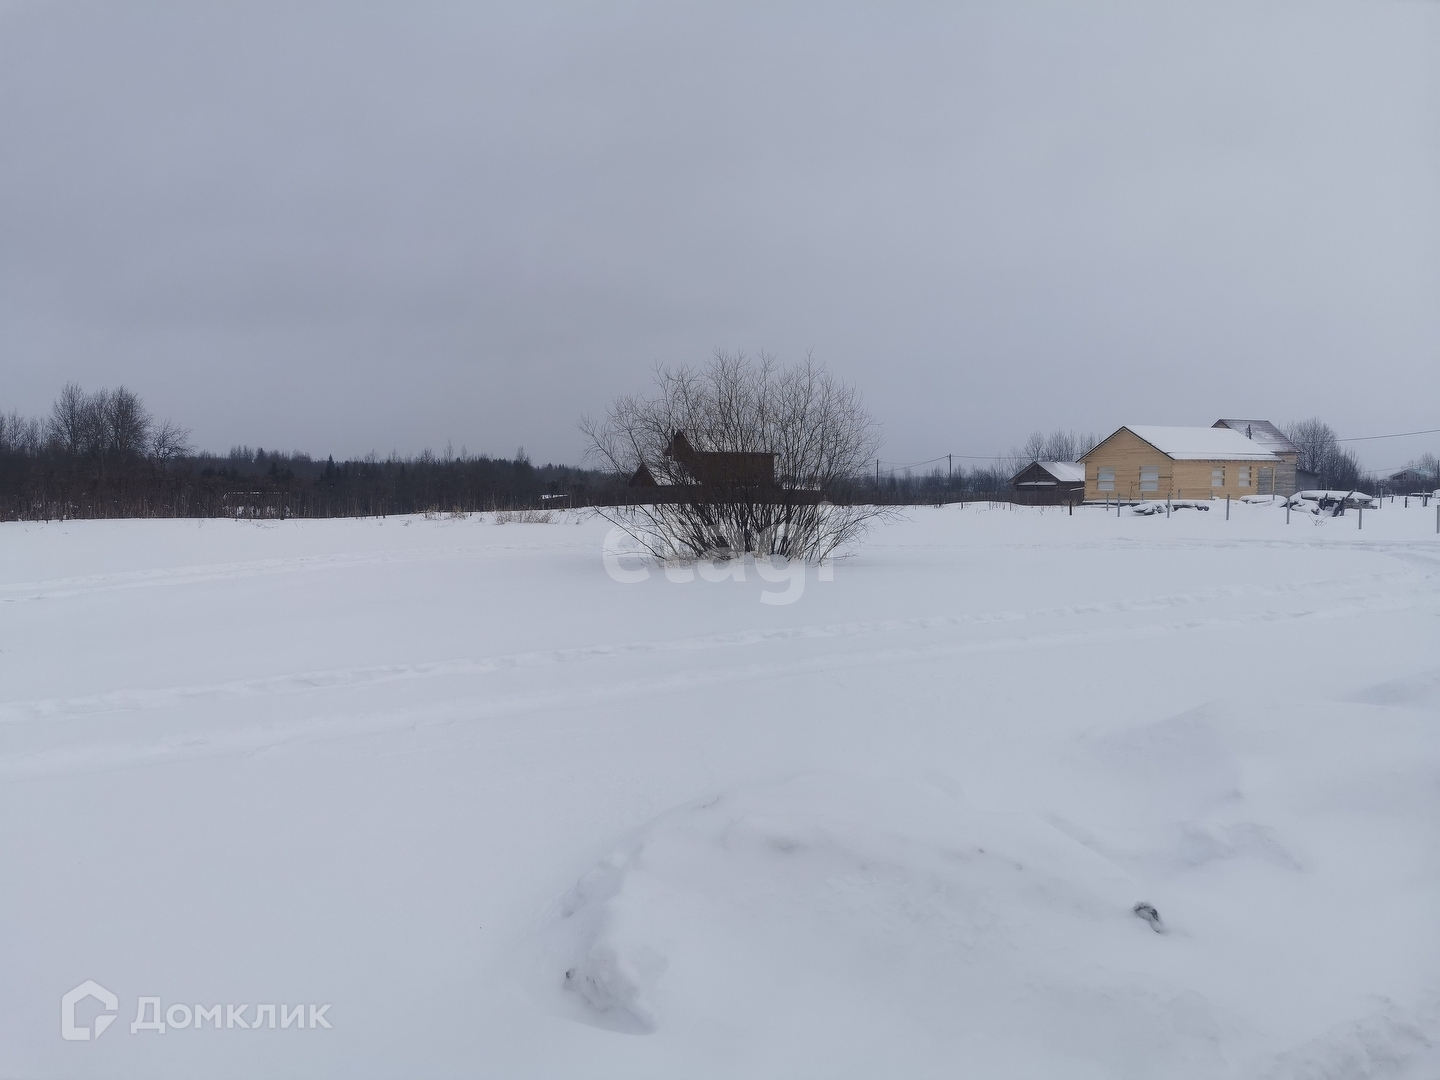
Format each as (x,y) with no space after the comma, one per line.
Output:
(251,738)
(140,699)
(68,587)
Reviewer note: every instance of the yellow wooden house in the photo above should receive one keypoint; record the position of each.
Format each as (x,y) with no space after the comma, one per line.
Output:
(1137,463)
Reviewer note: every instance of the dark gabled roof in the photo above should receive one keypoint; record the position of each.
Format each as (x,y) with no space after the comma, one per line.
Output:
(1263,433)
(643,477)
(1062,472)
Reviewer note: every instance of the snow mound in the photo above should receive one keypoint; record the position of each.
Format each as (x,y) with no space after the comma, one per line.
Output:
(850,905)
(1326,498)
(1389,1042)
(1150,509)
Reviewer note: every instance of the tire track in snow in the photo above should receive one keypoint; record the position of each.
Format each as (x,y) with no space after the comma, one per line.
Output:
(469,710)
(130,700)
(64,588)
(1418,552)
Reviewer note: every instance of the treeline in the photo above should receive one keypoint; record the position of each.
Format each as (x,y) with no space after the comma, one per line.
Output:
(103,454)
(933,486)
(1322,455)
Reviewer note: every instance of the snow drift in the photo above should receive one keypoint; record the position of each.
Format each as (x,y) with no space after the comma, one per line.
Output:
(997,929)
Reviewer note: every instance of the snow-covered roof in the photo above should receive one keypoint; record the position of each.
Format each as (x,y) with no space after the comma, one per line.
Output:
(1263,434)
(1060,472)
(1071,471)
(1202,443)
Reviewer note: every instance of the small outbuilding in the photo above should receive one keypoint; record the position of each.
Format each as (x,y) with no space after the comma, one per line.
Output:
(1049,483)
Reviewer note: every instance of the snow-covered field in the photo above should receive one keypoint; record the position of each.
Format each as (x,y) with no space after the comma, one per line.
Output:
(510,817)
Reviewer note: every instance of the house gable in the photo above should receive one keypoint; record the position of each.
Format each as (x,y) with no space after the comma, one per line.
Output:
(1126,466)
(1121,436)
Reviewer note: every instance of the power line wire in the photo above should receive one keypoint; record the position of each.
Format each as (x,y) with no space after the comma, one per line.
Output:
(942,457)
(1397,435)
(913,464)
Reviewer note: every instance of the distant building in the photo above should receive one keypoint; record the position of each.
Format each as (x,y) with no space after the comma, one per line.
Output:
(687,475)
(1145,462)
(1287,477)
(1411,478)
(1049,483)
(722,468)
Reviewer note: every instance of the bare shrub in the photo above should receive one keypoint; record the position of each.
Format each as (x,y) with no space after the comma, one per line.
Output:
(524,517)
(739,456)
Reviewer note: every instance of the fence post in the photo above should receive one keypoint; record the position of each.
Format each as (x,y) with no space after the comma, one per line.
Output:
(1227,507)
(1360,517)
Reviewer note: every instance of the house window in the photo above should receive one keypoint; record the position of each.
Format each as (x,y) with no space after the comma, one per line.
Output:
(1217,476)
(1244,478)
(1105,479)
(1149,477)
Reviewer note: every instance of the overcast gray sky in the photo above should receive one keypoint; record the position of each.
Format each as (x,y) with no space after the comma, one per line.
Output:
(338,227)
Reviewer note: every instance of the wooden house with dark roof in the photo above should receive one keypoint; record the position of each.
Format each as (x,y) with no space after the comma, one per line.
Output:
(690,475)
(1049,483)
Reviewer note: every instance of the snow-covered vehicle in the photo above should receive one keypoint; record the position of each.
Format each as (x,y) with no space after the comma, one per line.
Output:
(1331,500)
